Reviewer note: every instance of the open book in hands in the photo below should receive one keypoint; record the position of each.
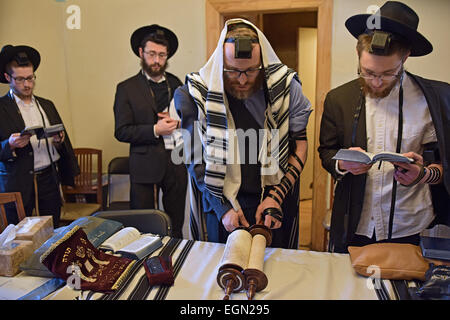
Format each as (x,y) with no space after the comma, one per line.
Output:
(42,132)
(131,244)
(370,158)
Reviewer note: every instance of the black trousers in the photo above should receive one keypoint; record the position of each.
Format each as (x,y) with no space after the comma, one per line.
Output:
(173,187)
(49,198)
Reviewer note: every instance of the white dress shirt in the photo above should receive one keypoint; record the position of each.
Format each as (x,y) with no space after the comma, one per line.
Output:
(32,117)
(413,207)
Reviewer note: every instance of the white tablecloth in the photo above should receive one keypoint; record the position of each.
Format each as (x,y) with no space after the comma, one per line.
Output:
(292,274)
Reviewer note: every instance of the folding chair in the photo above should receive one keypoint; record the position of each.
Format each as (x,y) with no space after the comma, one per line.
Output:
(145,220)
(117,166)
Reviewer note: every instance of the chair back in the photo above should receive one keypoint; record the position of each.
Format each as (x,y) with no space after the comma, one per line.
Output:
(88,181)
(10,197)
(145,220)
(117,166)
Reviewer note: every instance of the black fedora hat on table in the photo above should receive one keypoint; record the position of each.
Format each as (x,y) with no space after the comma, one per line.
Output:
(19,53)
(143,32)
(396,18)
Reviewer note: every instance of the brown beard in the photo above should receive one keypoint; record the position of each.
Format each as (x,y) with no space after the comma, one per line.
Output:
(239,94)
(148,68)
(376,95)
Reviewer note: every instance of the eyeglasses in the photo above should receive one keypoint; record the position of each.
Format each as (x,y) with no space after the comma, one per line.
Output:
(21,80)
(153,54)
(236,74)
(383,77)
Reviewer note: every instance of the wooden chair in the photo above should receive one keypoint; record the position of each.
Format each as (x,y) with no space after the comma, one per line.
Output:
(88,182)
(9,197)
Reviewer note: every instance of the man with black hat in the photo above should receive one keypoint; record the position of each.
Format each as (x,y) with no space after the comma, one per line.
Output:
(143,119)
(387,109)
(27,165)
(247,116)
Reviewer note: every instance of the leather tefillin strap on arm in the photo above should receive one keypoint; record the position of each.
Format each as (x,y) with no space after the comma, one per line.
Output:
(282,189)
(273,212)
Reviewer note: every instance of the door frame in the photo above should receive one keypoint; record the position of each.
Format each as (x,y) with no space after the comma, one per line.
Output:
(216,9)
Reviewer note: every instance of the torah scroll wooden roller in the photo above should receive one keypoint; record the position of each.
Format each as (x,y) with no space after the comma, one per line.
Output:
(255,278)
(234,261)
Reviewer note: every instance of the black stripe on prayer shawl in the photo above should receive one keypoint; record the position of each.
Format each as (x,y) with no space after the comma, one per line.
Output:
(215,174)
(283,117)
(197,222)
(164,290)
(214,189)
(199,86)
(214,97)
(143,288)
(199,105)
(278,89)
(273,68)
(214,141)
(216,119)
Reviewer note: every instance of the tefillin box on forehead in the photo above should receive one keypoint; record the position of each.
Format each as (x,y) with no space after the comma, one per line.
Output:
(243,43)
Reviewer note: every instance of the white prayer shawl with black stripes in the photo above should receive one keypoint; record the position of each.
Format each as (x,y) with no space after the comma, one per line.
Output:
(207,89)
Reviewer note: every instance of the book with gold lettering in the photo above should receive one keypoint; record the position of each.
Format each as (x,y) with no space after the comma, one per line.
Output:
(130,243)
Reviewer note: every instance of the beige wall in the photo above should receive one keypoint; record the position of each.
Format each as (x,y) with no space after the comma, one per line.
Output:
(92,60)
(81,68)
(38,24)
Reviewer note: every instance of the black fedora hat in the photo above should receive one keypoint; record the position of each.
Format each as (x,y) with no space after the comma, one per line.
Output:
(141,33)
(17,53)
(396,18)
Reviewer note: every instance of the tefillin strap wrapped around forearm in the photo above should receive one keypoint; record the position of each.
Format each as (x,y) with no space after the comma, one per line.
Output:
(282,189)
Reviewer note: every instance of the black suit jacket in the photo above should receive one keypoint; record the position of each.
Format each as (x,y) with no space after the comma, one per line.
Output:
(135,115)
(16,171)
(336,133)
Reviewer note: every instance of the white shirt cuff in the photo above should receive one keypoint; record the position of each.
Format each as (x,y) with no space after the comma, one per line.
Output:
(336,167)
(154,132)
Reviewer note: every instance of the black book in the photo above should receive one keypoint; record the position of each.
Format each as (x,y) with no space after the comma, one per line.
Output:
(42,132)
(435,248)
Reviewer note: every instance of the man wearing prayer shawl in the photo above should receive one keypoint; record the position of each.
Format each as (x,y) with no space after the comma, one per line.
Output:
(244,120)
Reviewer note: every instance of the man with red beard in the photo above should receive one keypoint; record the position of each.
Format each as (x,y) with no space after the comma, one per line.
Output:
(141,111)
(247,116)
(387,109)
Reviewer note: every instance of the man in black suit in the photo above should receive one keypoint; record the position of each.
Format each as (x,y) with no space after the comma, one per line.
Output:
(387,109)
(27,165)
(142,119)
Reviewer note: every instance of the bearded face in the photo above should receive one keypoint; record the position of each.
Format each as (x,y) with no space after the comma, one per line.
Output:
(379,74)
(154,59)
(242,77)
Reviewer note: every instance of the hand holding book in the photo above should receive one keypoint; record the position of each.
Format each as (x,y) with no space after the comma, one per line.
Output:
(42,132)
(347,161)
(409,174)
